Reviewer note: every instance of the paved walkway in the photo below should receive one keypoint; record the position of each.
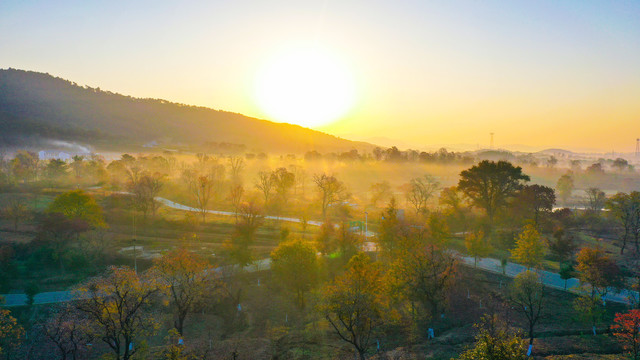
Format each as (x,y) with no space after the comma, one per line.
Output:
(550,279)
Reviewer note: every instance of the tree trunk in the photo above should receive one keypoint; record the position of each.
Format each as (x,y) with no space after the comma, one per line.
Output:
(531,334)
(362,355)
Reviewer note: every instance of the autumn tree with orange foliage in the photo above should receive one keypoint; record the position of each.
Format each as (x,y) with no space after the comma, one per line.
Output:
(117,305)
(11,333)
(627,330)
(187,280)
(600,272)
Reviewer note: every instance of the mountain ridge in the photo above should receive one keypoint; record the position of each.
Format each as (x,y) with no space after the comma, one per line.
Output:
(36,106)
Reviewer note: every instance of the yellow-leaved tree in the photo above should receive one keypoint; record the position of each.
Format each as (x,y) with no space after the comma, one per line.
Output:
(296,265)
(530,248)
(188,281)
(355,303)
(476,245)
(11,333)
(117,305)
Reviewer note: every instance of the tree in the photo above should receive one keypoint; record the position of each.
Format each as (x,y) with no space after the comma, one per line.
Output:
(490,184)
(495,341)
(380,192)
(331,190)
(117,305)
(11,333)
(250,219)
(283,182)
(24,165)
(564,187)
(595,169)
(527,295)
(620,164)
(598,270)
(295,264)
(235,196)
(236,165)
(186,277)
(454,205)
(476,245)
(536,200)
(566,272)
(419,191)
(16,211)
(145,188)
(57,231)
(325,239)
(347,242)
(390,228)
(56,169)
(77,205)
(625,208)
(562,246)
(530,247)
(77,165)
(354,303)
(68,330)
(595,199)
(423,274)
(265,184)
(627,330)
(589,309)
(202,189)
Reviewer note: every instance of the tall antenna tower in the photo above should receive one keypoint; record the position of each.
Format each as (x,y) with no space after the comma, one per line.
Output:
(491,144)
(637,147)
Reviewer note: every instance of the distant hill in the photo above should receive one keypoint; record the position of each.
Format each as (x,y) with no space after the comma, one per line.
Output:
(36,107)
(556,152)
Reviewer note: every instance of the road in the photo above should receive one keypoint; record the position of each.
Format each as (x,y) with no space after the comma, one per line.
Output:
(549,279)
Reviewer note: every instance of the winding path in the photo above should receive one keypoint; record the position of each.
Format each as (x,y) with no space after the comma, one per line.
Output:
(549,279)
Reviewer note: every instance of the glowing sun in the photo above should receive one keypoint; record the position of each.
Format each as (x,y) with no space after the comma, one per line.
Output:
(308,87)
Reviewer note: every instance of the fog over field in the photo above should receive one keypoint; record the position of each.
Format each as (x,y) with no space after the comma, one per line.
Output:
(319,180)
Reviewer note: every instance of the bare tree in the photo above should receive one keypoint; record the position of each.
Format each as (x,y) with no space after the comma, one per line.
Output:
(68,330)
(527,295)
(595,199)
(145,188)
(331,190)
(265,184)
(420,190)
(236,165)
(16,211)
(202,189)
(235,196)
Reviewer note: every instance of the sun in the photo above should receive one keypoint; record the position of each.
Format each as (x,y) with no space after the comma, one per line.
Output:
(309,87)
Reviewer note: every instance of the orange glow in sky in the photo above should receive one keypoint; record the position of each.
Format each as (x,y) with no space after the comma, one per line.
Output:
(539,73)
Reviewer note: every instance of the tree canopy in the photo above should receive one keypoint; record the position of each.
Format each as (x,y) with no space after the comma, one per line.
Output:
(490,184)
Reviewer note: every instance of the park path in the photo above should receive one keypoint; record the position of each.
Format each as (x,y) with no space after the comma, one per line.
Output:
(550,279)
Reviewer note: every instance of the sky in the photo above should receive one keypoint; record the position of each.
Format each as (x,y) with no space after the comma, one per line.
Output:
(540,74)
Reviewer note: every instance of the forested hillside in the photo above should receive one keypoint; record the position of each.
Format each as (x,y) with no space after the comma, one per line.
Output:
(36,106)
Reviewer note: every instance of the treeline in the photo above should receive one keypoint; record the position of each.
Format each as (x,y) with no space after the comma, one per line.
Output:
(412,283)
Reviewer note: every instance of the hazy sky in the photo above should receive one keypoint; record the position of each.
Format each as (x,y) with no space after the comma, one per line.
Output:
(538,73)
